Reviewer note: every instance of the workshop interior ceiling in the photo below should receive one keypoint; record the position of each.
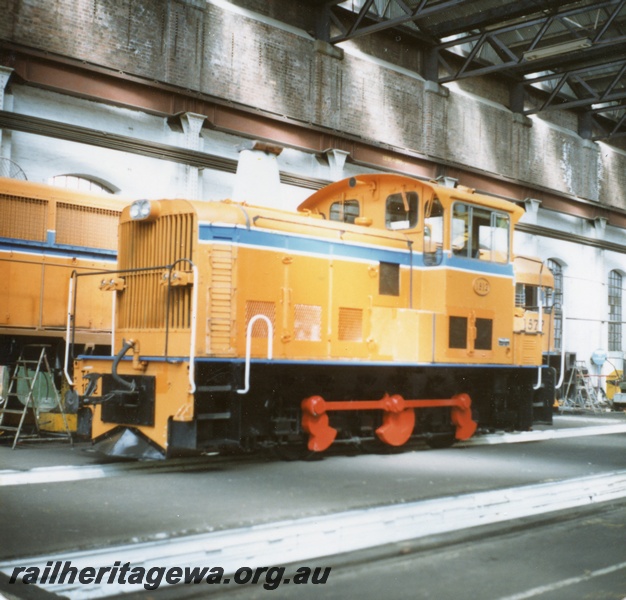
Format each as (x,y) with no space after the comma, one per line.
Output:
(554,54)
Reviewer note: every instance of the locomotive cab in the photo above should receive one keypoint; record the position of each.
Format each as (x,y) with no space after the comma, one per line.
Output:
(369,201)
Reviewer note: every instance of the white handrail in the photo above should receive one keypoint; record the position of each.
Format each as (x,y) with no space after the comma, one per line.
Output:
(562,374)
(539,381)
(192,343)
(270,344)
(68,329)
(540,332)
(113,311)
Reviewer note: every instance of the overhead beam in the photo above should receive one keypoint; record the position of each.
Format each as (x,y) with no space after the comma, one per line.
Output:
(422,10)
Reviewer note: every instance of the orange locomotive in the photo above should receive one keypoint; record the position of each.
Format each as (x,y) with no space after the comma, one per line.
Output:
(46,233)
(384,308)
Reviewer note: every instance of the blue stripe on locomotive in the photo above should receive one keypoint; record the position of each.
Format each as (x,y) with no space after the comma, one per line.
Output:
(341,249)
(50,248)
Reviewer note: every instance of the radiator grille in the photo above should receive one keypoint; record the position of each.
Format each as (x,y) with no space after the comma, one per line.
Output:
(23,218)
(152,246)
(86,226)
(307,323)
(350,324)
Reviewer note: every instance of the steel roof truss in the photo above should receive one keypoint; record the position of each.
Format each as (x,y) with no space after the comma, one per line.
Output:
(577,75)
(420,11)
(518,61)
(616,131)
(496,38)
(610,20)
(613,83)
(362,13)
(555,92)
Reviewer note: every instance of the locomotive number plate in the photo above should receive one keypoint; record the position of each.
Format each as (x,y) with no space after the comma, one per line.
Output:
(482,286)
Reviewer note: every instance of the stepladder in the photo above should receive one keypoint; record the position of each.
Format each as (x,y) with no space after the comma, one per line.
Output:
(581,394)
(30,379)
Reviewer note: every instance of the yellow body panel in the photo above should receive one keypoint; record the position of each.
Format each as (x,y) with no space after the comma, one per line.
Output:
(324,305)
(37,298)
(534,279)
(54,422)
(48,233)
(172,399)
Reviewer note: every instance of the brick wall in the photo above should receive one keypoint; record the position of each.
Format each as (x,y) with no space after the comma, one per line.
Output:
(247,59)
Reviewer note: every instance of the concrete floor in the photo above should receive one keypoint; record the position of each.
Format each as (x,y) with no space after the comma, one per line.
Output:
(57,499)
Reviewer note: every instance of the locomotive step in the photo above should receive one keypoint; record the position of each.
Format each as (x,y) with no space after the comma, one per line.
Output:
(214,388)
(214,416)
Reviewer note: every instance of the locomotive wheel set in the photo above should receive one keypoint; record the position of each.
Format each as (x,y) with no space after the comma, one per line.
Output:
(384,308)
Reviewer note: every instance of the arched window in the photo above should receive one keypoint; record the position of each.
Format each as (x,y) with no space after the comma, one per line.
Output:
(615,311)
(557,272)
(78,182)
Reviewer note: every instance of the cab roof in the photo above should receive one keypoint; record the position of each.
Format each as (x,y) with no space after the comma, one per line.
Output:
(382,184)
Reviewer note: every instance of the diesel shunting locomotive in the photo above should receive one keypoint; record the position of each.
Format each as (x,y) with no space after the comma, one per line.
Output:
(384,308)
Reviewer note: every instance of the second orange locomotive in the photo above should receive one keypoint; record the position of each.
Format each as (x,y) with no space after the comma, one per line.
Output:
(383,308)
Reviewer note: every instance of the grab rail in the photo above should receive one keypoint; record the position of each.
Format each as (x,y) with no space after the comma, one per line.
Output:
(270,343)
(562,374)
(68,329)
(192,342)
(540,332)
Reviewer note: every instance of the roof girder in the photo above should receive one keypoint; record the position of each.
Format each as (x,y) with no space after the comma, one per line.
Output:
(507,32)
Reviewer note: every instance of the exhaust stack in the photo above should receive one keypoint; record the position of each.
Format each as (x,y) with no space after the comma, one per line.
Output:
(257,180)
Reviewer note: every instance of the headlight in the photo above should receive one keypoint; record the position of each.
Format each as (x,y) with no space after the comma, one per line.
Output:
(142,210)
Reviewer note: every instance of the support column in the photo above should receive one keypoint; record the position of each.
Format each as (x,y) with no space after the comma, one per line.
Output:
(322,22)
(532,210)
(336,161)
(192,128)
(430,65)
(5,136)
(517,96)
(585,125)
(599,227)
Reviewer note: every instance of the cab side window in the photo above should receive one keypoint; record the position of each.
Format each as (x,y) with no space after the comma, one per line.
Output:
(480,233)
(345,211)
(433,233)
(401,211)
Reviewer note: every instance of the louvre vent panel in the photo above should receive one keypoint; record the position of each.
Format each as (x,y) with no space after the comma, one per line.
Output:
(529,350)
(23,218)
(220,318)
(259,307)
(308,322)
(86,226)
(154,245)
(350,324)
